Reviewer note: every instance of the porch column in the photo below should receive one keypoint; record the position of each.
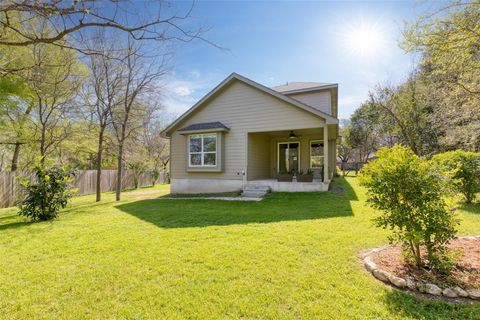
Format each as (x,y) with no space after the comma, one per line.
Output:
(325,154)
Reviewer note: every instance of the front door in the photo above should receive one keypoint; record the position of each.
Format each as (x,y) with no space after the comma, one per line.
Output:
(288,156)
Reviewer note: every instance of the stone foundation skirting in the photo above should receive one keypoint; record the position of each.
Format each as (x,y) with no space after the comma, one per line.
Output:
(409,283)
(192,186)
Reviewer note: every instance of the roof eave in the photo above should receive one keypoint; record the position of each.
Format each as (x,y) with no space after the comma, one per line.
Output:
(328,118)
(166,131)
(203,130)
(319,88)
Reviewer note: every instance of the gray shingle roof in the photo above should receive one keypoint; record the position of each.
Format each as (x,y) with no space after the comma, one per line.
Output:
(293,86)
(204,126)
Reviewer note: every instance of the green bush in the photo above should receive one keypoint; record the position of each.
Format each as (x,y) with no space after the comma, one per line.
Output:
(412,198)
(464,170)
(46,193)
(154,175)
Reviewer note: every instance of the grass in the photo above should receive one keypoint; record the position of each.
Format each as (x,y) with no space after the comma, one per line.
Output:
(290,256)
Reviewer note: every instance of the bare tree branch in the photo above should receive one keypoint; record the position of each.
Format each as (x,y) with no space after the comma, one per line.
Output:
(65,18)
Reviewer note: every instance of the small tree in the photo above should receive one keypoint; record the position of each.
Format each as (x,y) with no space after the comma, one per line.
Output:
(413,200)
(464,168)
(47,193)
(345,149)
(154,175)
(138,168)
(139,77)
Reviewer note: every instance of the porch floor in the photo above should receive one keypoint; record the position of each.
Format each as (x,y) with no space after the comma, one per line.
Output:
(316,186)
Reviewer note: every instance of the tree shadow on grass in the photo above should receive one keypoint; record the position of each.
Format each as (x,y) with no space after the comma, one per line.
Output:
(415,307)
(12,222)
(276,207)
(470,207)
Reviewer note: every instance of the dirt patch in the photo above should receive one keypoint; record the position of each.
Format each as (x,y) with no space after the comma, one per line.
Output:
(466,272)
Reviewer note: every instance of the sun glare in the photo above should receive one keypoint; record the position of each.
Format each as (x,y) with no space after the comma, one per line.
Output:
(364,39)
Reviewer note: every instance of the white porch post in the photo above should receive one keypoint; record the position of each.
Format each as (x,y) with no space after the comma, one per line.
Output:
(325,154)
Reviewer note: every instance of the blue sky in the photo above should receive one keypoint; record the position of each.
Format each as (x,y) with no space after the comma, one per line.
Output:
(354,44)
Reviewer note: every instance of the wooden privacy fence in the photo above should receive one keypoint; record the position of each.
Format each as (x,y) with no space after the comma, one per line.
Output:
(85,181)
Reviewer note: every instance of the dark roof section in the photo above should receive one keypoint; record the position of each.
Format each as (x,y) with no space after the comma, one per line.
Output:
(204,126)
(294,86)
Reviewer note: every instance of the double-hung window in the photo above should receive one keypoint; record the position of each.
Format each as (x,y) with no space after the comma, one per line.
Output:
(202,150)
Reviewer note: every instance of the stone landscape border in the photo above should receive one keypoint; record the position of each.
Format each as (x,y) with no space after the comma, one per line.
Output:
(409,283)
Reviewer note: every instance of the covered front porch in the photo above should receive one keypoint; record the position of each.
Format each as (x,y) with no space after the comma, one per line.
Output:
(294,151)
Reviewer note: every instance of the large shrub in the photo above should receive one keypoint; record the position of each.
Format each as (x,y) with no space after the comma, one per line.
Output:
(464,169)
(46,193)
(412,198)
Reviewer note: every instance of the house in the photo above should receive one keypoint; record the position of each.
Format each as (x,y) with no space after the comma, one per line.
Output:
(244,134)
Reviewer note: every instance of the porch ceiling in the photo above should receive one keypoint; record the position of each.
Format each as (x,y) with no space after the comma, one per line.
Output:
(284,133)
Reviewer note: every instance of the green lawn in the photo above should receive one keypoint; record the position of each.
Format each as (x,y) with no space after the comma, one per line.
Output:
(291,256)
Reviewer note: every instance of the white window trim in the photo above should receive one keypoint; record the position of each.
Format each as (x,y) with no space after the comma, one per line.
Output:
(278,153)
(202,153)
(310,152)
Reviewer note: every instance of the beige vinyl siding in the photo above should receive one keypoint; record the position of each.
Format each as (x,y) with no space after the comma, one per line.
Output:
(334,102)
(259,156)
(243,109)
(320,100)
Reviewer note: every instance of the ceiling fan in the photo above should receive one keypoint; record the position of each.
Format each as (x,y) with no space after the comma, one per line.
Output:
(292,135)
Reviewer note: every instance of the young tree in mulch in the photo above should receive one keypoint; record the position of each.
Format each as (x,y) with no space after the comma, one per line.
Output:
(413,200)
(47,193)
(464,169)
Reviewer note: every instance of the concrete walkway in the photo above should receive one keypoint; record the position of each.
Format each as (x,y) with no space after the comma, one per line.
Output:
(214,198)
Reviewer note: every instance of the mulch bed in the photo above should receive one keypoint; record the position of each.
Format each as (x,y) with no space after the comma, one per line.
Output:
(466,272)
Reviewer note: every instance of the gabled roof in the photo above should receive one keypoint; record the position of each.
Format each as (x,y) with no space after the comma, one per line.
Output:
(293,87)
(217,125)
(236,77)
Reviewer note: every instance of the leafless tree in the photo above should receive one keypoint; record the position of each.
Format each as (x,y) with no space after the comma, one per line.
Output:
(15,116)
(156,147)
(140,76)
(18,143)
(101,93)
(73,23)
(3,155)
(54,82)
(344,150)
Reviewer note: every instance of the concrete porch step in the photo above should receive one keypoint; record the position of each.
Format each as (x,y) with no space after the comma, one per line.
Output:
(252,187)
(255,191)
(251,194)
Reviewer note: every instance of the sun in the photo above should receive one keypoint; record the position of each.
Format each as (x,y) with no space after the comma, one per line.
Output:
(364,39)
